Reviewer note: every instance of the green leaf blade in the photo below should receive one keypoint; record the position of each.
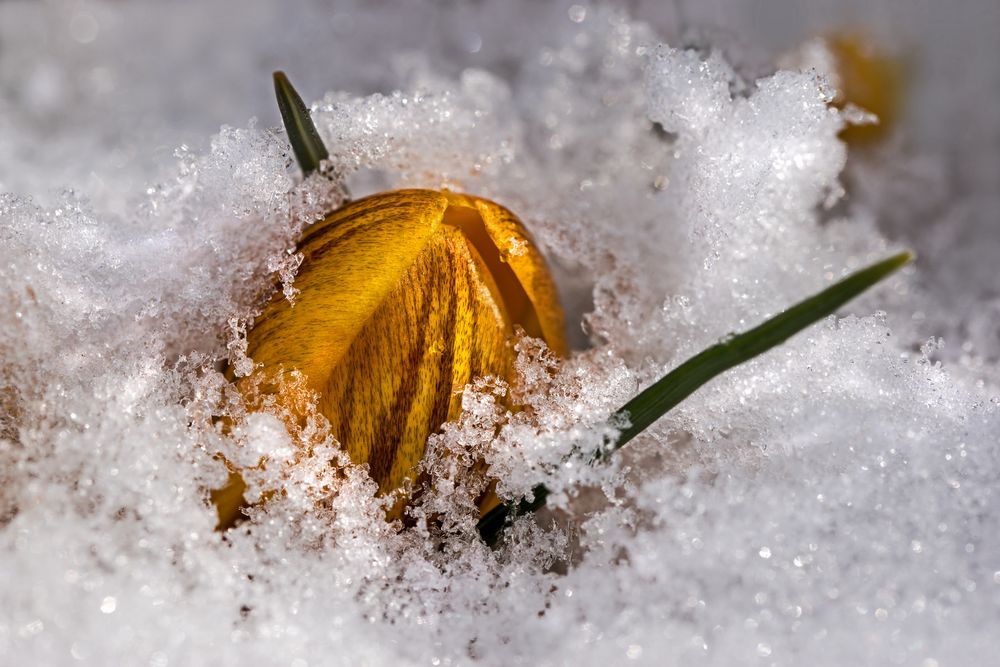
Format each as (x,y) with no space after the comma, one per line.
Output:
(667,392)
(302,134)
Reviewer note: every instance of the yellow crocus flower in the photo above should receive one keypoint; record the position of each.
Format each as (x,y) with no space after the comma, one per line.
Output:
(404,298)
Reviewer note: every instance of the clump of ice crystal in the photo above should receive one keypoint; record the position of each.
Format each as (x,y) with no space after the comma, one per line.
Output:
(832,502)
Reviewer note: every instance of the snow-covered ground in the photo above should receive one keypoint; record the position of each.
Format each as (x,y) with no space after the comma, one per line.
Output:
(834,502)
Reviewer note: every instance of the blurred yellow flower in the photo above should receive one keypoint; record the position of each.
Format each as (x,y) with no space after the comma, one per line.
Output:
(869,78)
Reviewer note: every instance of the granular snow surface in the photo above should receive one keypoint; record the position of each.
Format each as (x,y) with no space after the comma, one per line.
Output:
(833,502)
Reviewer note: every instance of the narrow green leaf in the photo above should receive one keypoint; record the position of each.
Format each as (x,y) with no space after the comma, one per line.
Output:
(302,135)
(678,384)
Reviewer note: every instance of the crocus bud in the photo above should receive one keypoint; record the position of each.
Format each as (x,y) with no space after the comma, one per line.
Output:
(404,298)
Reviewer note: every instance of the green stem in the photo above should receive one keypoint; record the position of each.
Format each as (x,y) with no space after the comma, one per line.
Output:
(667,392)
(302,135)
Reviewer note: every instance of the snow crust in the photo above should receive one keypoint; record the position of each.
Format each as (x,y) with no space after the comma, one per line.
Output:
(833,502)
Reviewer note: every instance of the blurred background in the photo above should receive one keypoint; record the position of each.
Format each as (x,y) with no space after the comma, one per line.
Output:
(97,96)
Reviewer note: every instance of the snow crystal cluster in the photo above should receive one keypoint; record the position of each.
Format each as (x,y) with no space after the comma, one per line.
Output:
(832,502)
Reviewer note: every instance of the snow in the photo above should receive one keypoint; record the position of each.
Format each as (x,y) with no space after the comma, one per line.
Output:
(832,502)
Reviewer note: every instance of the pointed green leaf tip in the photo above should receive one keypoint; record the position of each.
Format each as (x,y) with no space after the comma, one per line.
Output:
(302,135)
(678,384)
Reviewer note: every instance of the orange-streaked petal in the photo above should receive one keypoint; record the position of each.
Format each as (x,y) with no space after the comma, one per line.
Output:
(543,317)
(352,260)
(399,380)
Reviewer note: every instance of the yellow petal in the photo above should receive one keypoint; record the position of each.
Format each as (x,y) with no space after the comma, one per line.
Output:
(352,260)
(398,382)
(404,298)
(520,269)
(228,500)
